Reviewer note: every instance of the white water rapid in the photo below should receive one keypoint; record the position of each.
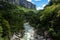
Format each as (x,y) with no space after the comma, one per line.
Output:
(28,35)
(29,32)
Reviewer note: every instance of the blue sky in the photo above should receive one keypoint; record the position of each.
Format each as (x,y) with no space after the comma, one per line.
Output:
(40,4)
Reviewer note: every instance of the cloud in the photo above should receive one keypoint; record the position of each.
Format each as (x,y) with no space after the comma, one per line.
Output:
(37,0)
(44,5)
(48,0)
(41,8)
(33,2)
(29,0)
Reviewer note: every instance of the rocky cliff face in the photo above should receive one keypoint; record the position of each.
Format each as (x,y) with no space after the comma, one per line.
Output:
(23,3)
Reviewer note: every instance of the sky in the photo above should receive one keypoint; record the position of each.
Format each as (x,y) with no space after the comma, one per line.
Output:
(40,4)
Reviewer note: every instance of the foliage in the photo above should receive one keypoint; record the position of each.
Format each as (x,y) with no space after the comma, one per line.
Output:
(12,18)
(49,20)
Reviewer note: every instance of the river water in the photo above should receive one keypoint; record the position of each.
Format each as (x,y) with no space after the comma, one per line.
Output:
(29,32)
(28,35)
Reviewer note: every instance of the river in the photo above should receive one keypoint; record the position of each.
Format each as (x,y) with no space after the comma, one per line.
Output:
(28,35)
